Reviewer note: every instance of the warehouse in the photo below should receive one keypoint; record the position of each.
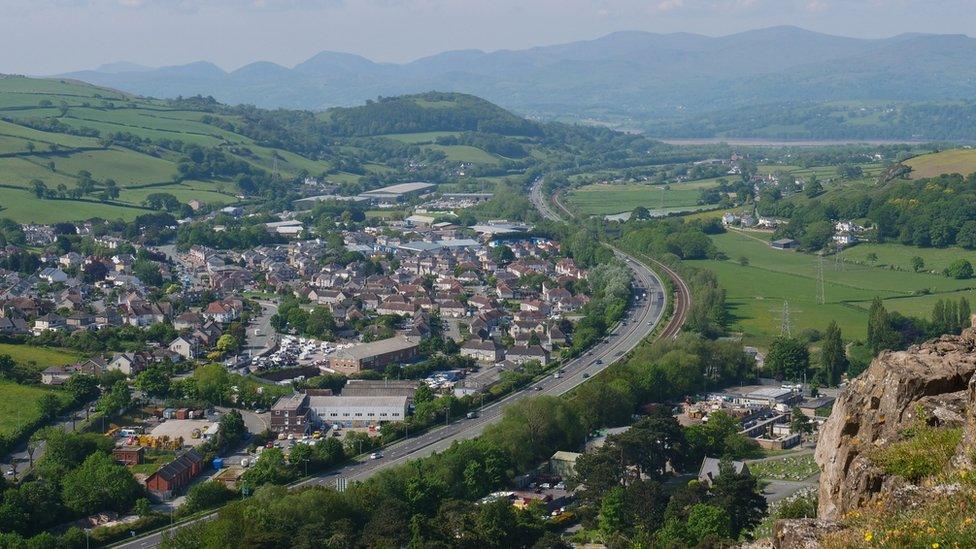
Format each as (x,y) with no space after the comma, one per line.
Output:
(395,194)
(352,411)
(375,355)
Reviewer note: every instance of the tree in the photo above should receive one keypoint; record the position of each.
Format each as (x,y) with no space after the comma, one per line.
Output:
(872,257)
(206,495)
(48,406)
(788,358)
(612,512)
(740,496)
(813,188)
(502,254)
(917,264)
(799,422)
(226,343)
(99,484)
(82,387)
(880,334)
(707,522)
(116,399)
(270,468)
(640,213)
(833,357)
(40,189)
(965,313)
(960,269)
(154,382)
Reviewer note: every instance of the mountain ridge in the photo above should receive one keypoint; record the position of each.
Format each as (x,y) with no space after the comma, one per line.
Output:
(635,75)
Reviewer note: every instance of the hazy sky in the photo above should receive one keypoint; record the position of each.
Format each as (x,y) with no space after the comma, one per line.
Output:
(52,36)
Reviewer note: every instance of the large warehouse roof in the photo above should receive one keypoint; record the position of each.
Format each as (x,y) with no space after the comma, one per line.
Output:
(401,188)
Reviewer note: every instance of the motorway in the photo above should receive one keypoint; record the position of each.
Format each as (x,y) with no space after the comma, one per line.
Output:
(640,321)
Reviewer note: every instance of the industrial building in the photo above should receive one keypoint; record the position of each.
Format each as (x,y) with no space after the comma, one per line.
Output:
(290,415)
(395,194)
(375,355)
(355,411)
(380,387)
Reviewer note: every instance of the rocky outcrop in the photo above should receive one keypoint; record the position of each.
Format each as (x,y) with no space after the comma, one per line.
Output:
(880,404)
(802,533)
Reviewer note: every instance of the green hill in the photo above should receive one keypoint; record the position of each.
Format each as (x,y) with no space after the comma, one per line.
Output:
(72,151)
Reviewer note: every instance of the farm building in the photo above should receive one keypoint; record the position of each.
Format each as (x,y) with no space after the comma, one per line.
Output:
(784,244)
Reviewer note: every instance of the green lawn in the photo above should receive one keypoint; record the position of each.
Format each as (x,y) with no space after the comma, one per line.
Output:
(756,292)
(19,405)
(602,199)
(40,357)
(961,161)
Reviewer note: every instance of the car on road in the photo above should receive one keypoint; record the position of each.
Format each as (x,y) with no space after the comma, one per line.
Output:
(375,455)
(599,362)
(472,415)
(586,375)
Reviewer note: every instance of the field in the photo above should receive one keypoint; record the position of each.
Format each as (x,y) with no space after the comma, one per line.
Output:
(18,405)
(900,257)
(756,292)
(55,158)
(40,357)
(420,137)
(602,199)
(961,161)
(465,153)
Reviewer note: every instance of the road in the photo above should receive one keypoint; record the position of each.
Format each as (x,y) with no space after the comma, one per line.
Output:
(261,337)
(682,297)
(640,321)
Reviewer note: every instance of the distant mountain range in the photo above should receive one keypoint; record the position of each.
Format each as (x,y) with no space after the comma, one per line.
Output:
(625,77)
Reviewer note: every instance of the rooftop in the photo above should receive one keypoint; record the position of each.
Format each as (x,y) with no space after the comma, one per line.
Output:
(358,401)
(382,346)
(401,188)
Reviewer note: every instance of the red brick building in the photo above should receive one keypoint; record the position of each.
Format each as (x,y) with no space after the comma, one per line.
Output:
(175,475)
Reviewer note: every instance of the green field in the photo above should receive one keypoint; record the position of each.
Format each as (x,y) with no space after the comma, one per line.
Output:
(38,357)
(900,257)
(19,405)
(23,207)
(962,161)
(420,137)
(126,167)
(756,292)
(602,198)
(465,153)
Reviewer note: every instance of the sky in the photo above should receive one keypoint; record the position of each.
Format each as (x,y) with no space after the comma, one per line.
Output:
(43,37)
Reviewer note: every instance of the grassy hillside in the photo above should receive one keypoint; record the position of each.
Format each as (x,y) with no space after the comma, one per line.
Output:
(68,142)
(961,161)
